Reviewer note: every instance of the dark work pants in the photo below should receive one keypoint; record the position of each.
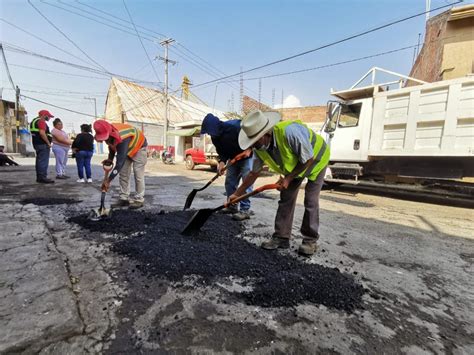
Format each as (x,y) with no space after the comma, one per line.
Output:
(286,208)
(42,161)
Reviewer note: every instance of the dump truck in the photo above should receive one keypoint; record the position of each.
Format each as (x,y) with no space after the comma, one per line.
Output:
(418,133)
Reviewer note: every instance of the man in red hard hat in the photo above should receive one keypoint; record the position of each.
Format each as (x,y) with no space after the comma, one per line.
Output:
(129,145)
(42,138)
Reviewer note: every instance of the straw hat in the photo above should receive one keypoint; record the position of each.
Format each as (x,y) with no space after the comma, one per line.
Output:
(255,125)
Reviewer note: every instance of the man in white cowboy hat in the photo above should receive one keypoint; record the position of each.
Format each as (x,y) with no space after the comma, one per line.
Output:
(293,150)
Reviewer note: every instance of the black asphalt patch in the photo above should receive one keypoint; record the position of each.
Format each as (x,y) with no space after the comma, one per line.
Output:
(47,201)
(153,242)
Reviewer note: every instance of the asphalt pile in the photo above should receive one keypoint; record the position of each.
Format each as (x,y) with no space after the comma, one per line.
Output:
(153,243)
(48,201)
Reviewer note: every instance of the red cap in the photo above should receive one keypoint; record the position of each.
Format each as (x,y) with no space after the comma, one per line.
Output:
(46,113)
(102,130)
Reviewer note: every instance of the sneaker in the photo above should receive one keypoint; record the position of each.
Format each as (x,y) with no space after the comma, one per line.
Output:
(120,203)
(308,247)
(45,181)
(80,180)
(275,243)
(134,205)
(89,180)
(61,177)
(241,216)
(66,177)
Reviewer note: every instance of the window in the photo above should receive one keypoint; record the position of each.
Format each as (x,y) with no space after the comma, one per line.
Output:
(349,115)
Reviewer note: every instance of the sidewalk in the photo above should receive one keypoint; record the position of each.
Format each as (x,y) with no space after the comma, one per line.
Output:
(38,306)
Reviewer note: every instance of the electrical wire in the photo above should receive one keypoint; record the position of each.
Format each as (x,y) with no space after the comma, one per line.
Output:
(56,106)
(327,45)
(14,48)
(6,67)
(144,36)
(58,72)
(42,40)
(66,36)
(141,42)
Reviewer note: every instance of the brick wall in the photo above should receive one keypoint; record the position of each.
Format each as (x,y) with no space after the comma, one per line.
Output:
(308,114)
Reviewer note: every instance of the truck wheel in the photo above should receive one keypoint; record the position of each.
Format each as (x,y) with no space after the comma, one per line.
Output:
(189,162)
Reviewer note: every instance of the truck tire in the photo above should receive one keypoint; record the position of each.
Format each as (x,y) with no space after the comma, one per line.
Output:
(189,162)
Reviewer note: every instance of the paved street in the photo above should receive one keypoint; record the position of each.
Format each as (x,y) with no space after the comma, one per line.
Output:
(64,289)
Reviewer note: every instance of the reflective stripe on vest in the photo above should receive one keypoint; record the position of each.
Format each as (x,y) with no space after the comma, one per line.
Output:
(127,131)
(34,128)
(289,160)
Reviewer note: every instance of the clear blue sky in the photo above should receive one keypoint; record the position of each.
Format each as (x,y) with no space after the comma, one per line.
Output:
(227,34)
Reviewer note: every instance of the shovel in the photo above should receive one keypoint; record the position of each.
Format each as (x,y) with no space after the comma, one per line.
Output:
(201,216)
(102,211)
(190,198)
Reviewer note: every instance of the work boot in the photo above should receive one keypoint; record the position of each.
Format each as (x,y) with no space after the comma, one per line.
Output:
(120,203)
(241,216)
(275,243)
(45,181)
(230,210)
(134,205)
(308,247)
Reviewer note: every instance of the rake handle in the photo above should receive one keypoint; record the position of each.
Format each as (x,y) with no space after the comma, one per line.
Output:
(250,194)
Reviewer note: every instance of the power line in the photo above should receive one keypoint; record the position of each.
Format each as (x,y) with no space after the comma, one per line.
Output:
(42,40)
(331,44)
(65,36)
(330,65)
(141,42)
(6,67)
(57,72)
(17,49)
(144,36)
(56,106)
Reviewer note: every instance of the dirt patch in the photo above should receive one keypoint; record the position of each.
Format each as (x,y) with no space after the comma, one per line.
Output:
(153,241)
(47,201)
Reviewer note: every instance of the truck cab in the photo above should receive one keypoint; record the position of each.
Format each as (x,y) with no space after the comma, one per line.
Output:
(202,152)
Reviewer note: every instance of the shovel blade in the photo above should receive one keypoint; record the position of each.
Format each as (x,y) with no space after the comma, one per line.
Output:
(190,199)
(197,221)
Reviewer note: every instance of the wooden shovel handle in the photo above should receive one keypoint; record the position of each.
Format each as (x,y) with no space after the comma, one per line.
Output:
(250,194)
(243,155)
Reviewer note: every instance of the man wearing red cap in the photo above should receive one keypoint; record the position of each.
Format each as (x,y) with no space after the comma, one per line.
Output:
(42,139)
(129,144)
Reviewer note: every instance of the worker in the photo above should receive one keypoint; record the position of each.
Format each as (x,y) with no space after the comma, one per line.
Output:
(41,139)
(225,137)
(129,145)
(293,150)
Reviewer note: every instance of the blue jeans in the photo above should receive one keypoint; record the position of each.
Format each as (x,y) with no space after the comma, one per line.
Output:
(235,172)
(42,161)
(83,160)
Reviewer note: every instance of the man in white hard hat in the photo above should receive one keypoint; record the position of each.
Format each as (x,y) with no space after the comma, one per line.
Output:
(293,150)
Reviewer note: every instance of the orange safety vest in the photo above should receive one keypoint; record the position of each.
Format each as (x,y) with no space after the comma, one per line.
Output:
(127,131)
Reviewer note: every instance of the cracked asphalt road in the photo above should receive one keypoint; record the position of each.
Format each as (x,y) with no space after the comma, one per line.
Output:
(62,291)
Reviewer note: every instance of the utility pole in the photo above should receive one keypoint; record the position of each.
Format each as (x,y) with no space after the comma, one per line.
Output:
(17,117)
(95,105)
(428,8)
(241,102)
(165,43)
(259,92)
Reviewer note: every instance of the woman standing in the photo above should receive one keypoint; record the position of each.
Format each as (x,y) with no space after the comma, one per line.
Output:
(83,147)
(61,145)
